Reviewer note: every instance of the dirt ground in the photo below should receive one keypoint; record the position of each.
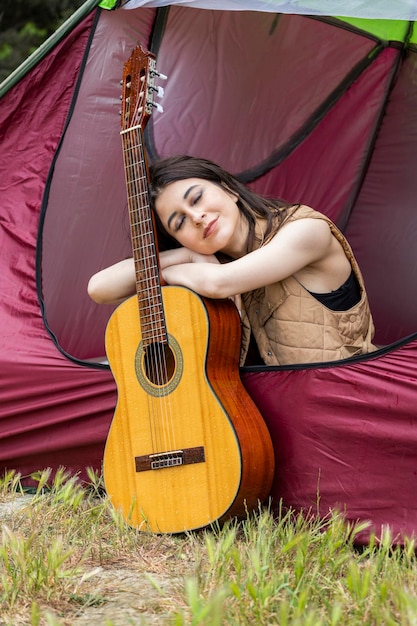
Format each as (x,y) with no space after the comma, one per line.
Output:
(129,599)
(120,595)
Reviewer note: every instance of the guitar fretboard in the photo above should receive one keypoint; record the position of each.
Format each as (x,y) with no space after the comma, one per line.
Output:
(148,285)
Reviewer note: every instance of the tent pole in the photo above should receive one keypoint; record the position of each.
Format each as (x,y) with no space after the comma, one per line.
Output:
(47,45)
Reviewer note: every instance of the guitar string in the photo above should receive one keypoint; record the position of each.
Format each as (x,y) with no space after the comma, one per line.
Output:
(128,159)
(157,317)
(136,235)
(163,424)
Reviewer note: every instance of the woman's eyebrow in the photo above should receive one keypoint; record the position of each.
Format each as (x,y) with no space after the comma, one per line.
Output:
(171,217)
(189,190)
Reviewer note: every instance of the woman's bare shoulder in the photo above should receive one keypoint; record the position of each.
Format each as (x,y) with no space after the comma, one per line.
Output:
(306,231)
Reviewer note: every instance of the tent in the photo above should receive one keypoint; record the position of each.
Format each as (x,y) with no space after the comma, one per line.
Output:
(309,107)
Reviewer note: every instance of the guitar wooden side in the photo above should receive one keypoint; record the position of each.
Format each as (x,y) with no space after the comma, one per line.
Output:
(208,408)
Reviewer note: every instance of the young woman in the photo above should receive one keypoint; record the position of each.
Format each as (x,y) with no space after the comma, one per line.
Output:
(289,269)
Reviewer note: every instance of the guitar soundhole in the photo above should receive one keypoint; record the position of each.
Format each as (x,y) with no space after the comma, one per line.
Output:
(159,366)
(159,363)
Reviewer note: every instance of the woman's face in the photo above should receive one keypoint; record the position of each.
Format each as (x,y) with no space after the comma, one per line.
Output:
(201,216)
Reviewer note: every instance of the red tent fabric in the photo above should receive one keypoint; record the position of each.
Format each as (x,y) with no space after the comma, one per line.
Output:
(49,414)
(336,129)
(345,438)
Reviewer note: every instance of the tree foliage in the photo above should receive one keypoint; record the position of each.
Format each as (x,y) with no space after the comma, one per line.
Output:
(25,24)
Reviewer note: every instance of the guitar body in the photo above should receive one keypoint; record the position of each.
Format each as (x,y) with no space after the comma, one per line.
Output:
(188,447)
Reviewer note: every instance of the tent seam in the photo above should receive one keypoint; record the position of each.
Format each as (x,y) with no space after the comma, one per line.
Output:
(45,199)
(279,155)
(371,144)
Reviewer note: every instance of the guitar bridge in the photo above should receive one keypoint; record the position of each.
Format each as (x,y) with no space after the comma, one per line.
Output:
(173,458)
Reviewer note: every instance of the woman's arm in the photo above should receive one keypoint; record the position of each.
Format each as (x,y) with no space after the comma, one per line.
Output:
(306,246)
(114,284)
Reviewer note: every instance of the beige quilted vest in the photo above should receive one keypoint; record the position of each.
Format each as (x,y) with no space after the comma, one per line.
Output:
(290,326)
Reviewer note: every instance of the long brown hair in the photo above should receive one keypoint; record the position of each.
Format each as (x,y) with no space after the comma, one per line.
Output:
(252,205)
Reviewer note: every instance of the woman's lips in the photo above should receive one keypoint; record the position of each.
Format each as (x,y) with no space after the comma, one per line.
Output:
(210,228)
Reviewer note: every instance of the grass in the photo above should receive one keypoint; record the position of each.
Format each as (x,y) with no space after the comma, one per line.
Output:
(283,569)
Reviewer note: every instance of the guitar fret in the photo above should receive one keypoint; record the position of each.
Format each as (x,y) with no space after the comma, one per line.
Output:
(134,145)
(146,280)
(144,251)
(140,222)
(155,320)
(144,208)
(147,274)
(135,176)
(134,196)
(133,164)
(137,193)
(151,320)
(152,314)
(146,246)
(142,241)
(152,325)
(151,303)
(152,338)
(146,264)
(145,225)
(155,324)
(149,280)
(151,297)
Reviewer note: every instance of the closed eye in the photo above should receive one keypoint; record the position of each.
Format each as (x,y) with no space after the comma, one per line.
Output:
(179,223)
(196,198)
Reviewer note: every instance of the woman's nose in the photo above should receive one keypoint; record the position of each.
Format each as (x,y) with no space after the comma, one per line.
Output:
(198,218)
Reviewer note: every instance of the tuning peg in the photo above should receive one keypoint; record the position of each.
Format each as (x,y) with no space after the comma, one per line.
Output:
(161,76)
(158,107)
(159,91)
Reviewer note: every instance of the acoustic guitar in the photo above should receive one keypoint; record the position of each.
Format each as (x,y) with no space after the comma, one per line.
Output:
(187,446)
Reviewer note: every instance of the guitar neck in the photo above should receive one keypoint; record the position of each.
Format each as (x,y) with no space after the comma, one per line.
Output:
(148,284)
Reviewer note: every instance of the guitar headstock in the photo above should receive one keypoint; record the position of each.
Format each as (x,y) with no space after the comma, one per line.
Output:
(138,89)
